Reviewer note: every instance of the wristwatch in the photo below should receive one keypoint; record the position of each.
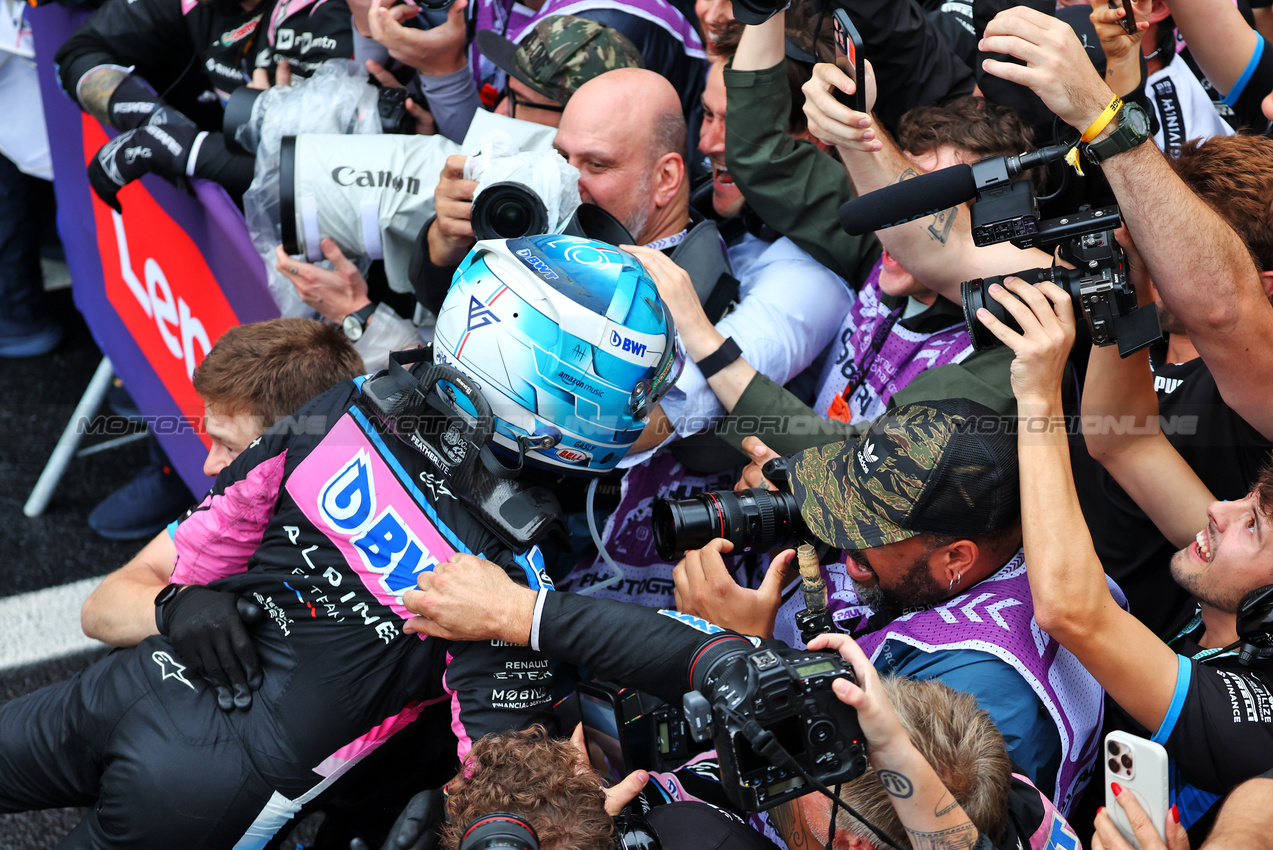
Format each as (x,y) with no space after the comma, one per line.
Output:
(163,598)
(355,324)
(1133,129)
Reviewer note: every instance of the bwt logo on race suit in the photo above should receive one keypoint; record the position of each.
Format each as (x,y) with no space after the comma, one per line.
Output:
(347,503)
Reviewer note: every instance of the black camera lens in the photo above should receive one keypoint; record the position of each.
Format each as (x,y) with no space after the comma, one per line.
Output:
(1126,759)
(1113,765)
(975,294)
(755,519)
(507,211)
(1113,748)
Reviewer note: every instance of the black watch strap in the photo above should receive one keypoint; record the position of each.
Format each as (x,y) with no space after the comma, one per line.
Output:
(162,598)
(720,358)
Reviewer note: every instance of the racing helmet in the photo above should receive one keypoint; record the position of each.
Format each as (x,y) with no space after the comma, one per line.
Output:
(569,341)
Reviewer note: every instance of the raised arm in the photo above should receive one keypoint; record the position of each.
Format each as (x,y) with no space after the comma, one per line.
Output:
(937,249)
(1072,601)
(1183,241)
(1218,38)
(1120,392)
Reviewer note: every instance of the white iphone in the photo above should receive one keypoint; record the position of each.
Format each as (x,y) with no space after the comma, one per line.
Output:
(1140,767)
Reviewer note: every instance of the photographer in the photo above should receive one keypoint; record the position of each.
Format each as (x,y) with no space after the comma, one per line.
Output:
(196,54)
(929,542)
(1208,708)
(910,727)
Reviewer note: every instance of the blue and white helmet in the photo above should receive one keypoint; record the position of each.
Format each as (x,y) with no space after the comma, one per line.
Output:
(569,341)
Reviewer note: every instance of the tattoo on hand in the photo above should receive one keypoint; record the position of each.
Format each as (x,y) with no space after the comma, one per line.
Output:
(95,90)
(944,808)
(960,838)
(895,783)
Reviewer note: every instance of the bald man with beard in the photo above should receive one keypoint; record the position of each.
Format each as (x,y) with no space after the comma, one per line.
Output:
(625,133)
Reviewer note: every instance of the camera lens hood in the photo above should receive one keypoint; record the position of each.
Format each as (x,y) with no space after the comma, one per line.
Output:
(238,111)
(508,210)
(287,194)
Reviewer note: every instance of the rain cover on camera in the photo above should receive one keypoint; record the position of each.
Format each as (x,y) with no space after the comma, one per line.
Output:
(331,100)
(497,160)
(568,339)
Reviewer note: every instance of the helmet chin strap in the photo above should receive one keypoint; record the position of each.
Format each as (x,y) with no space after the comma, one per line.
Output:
(525,443)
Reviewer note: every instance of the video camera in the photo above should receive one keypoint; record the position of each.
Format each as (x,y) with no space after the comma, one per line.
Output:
(779,729)
(753,520)
(1006,211)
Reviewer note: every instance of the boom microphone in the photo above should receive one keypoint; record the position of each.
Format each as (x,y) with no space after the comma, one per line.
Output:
(906,201)
(938,190)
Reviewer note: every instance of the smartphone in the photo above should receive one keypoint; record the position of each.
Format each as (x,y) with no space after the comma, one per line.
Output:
(1128,21)
(599,710)
(1140,767)
(849,59)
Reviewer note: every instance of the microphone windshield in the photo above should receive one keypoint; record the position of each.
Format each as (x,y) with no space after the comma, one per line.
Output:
(908,200)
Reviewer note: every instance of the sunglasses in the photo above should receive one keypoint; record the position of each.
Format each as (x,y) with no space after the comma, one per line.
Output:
(513,100)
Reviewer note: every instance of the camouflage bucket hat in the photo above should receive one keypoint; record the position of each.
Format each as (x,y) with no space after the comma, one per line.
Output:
(560,54)
(939,467)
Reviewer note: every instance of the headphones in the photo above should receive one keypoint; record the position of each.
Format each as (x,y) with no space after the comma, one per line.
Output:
(1255,626)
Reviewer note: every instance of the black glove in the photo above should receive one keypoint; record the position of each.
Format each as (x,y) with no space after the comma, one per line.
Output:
(152,149)
(415,827)
(134,105)
(208,629)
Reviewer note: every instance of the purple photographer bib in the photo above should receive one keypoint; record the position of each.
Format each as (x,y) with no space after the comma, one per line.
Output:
(629,538)
(995,616)
(873,356)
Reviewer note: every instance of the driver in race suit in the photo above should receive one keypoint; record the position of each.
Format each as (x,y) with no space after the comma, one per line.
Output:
(324,532)
(324,522)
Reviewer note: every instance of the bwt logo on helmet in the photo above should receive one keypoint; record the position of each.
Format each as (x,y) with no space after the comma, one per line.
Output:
(347,503)
(631,346)
(536,264)
(347,175)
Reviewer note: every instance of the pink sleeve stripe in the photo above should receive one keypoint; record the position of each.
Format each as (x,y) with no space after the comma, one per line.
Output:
(217,539)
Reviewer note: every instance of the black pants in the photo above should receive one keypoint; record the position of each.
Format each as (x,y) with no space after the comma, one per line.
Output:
(146,747)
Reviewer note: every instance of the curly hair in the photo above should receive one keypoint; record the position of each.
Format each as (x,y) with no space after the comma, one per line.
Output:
(538,777)
(971,124)
(1234,176)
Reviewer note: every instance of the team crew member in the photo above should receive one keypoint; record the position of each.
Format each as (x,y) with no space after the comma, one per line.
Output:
(324,532)
(194,54)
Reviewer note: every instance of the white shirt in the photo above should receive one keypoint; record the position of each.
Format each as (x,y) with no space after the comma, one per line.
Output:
(1185,111)
(789,308)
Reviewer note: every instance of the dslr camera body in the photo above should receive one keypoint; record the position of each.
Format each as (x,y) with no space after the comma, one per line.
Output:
(778,728)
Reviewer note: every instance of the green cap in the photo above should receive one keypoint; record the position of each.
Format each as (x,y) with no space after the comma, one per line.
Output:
(933,467)
(560,53)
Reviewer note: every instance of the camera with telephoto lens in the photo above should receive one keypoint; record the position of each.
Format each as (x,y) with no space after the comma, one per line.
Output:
(1098,284)
(753,520)
(779,729)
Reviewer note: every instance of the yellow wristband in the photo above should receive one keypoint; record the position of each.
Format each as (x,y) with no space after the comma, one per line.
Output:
(1102,121)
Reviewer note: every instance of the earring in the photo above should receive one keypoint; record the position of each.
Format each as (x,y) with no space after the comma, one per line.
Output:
(959,577)
(950,586)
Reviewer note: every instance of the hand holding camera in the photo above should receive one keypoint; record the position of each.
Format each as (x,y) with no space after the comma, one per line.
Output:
(705,588)
(432,52)
(1056,65)
(883,731)
(1046,316)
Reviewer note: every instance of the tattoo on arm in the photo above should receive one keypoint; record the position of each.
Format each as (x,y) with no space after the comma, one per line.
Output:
(895,783)
(95,90)
(944,808)
(960,838)
(939,229)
